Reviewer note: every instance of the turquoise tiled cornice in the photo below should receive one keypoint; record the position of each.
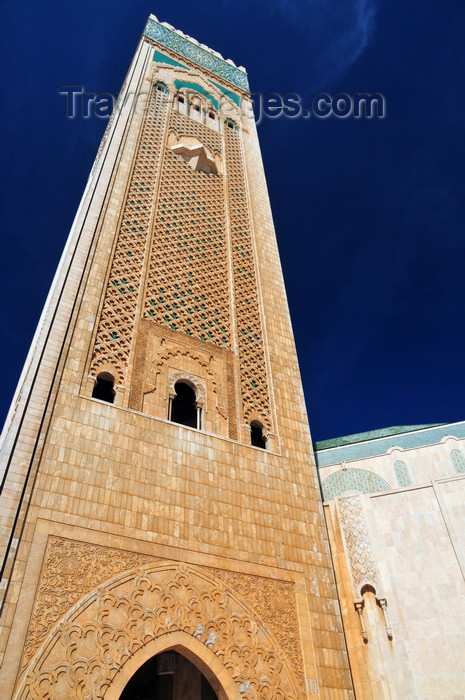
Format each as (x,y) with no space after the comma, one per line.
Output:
(373,445)
(195,53)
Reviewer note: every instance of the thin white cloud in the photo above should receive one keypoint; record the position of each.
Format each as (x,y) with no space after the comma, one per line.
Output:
(336,33)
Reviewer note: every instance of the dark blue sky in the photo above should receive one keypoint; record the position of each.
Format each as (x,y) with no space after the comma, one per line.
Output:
(369,214)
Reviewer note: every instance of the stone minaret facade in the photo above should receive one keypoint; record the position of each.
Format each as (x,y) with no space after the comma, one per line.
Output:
(159,504)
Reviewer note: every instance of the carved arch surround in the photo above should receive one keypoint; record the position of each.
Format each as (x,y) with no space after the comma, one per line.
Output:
(174,353)
(193,381)
(201,656)
(149,609)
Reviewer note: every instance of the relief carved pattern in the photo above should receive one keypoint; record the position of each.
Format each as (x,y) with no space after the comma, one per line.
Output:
(231,392)
(357,542)
(148,369)
(253,374)
(197,384)
(275,602)
(117,320)
(188,285)
(70,570)
(136,395)
(94,639)
(181,124)
(199,358)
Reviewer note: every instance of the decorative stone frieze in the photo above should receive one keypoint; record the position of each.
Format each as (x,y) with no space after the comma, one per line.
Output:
(77,647)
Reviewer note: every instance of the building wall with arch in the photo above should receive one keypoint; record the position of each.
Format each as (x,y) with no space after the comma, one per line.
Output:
(394,502)
(126,607)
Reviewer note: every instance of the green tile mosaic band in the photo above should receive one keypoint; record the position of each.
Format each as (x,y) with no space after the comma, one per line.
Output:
(373,447)
(232,96)
(195,53)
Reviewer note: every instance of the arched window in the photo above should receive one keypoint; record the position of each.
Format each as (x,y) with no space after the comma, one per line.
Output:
(458,460)
(196,108)
(182,103)
(183,407)
(104,388)
(256,435)
(402,473)
(231,123)
(161,87)
(367,588)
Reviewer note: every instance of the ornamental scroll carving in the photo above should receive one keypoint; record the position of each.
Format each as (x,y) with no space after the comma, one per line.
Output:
(360,558)
(358,545)
(275,602)
(251,348)
(187,288)
(70,570)
(163,357)
(92,641)
(118,317)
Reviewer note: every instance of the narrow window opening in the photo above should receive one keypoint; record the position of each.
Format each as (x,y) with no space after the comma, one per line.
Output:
(256,435)
(367,588)
(184,409)
(104,388)
(211,115)
(181,99)
(161,87)
(231,124)
(196,107)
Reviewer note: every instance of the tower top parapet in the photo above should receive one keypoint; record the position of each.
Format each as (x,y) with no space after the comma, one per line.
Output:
(190,48)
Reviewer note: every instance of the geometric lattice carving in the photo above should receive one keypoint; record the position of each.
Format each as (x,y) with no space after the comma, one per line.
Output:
(70,570)
(357,543)
(185,126)
(352,480)
(116,326)
(274,601)
(402,473)
(254,383)
(90,644)
(190,261)
(458,460)
(187,286)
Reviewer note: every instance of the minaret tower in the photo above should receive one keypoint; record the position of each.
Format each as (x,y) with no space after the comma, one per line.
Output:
(162,523)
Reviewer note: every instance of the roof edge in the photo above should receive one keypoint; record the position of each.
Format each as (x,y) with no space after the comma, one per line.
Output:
(372,435)
(166,35)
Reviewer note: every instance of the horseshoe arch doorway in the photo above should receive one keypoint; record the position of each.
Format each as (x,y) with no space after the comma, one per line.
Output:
(203,663)
(168,676)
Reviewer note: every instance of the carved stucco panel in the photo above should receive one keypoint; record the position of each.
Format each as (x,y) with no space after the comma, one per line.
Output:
(275,602)
(357,542)
(88,645)
(70,570)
